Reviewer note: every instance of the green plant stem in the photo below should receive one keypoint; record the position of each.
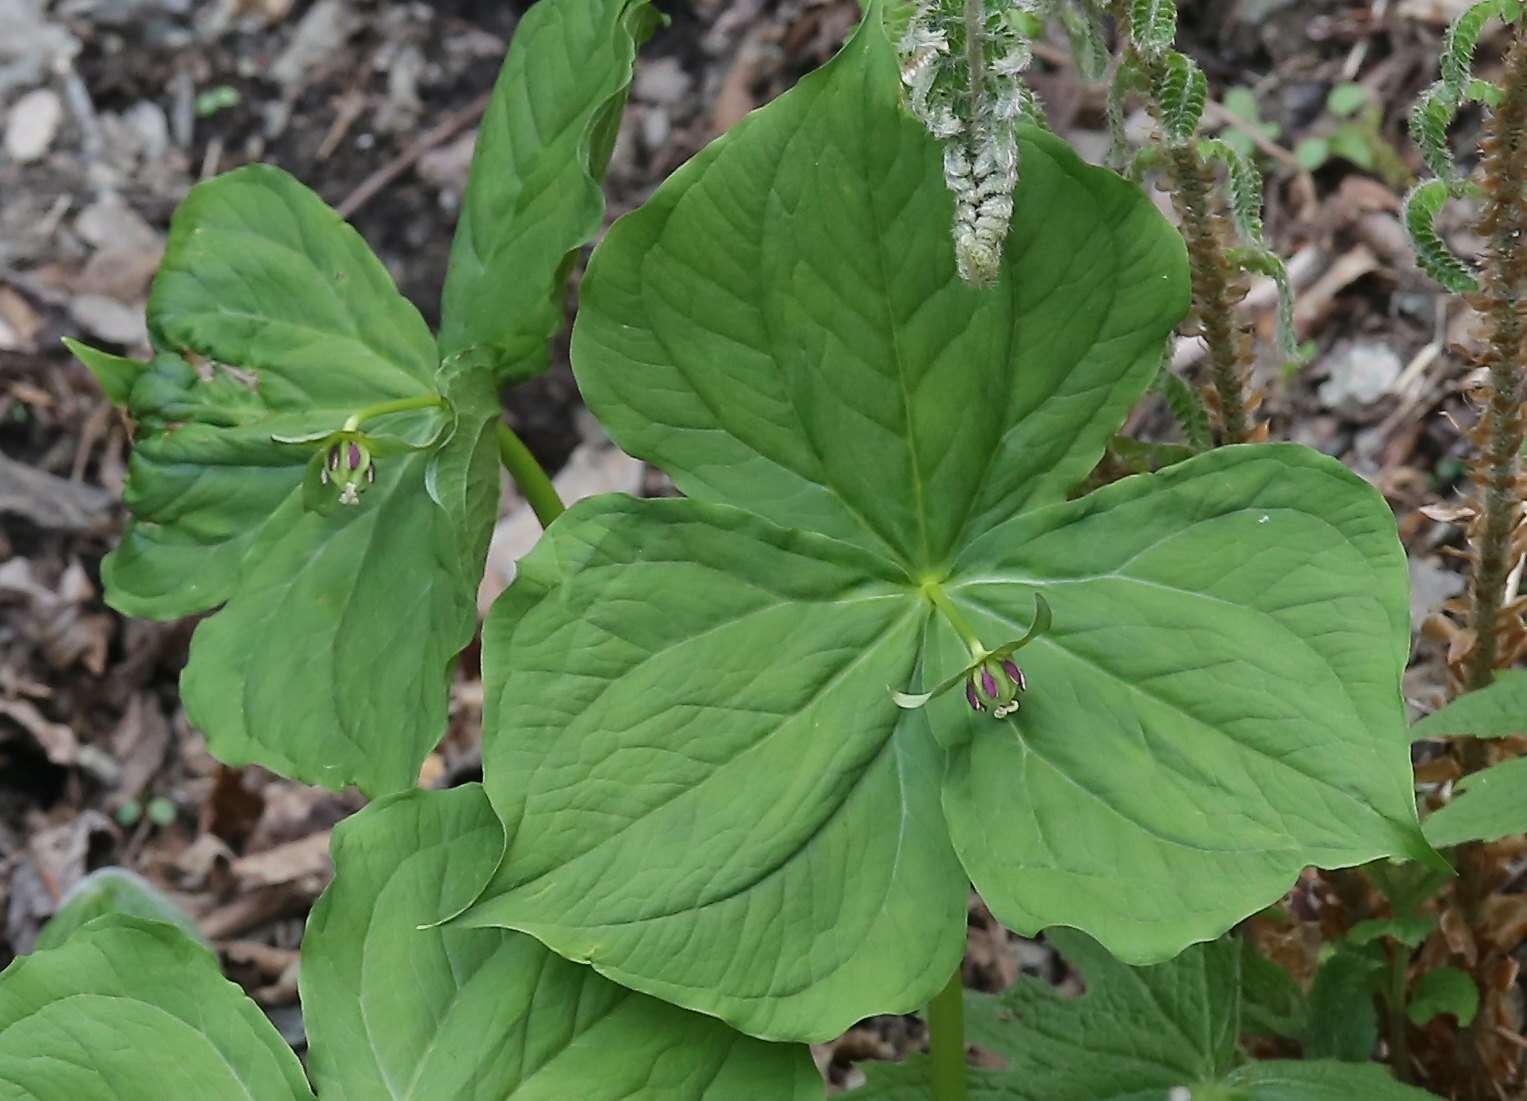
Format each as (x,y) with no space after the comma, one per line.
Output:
(946,1042)
(529,475)
(951,614)
(1399,1036)
(398,405)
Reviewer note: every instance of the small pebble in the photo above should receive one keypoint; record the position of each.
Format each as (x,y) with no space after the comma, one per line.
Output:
(32,125)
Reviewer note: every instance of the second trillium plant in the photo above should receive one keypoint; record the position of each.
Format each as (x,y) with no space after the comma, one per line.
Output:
(744,752)
(712,795)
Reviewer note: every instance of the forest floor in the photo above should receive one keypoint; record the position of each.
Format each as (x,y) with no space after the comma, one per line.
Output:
(112,109)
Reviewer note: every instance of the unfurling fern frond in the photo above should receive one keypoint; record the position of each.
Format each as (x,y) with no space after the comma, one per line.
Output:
(1153,26)
(1181,90)
(1149,159)
(1186,406)
(1463,36)
(1083,24)
(1422,206)
(1438,106)
(1429,121)
(1126,79)
(1245,186)
(1482,91)
(1262,261)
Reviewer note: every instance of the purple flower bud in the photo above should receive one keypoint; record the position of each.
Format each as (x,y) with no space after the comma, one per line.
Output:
(1015,675)
(354,455)
(970,695)
(334,457)
(988,683)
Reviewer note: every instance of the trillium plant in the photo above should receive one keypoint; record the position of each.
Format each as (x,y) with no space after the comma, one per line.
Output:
(746,750)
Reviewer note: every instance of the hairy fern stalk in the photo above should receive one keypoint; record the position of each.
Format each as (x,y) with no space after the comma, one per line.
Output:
(1218,288)
(1492,635)
(1225,239)
(1497,538)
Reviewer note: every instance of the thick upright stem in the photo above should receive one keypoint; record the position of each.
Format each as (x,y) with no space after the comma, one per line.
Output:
(1399,1023)
(529,476)
(1503,225)
(946,1042)
(975,45)
(1496,471)
(1215,293)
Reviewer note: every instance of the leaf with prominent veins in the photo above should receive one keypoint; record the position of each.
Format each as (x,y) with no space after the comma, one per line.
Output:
(129,1008)
(690,731)
(1155,1033)
(682,768)
(399,1009)
(779,327)
(273,322)
(533,196)
(1215,702)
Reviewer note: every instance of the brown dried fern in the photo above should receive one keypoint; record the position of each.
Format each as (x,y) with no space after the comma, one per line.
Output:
(1497,539)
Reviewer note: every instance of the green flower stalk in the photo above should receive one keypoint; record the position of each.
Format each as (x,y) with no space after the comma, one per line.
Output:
(344,461)
(993,680)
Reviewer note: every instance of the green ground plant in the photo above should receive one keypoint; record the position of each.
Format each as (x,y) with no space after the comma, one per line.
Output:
(747,751)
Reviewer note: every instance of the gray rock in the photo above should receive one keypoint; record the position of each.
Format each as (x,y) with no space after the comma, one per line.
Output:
(1360,375)
(31,125)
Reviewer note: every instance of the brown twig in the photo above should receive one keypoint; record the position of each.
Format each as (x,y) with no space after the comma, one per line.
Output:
(438,134)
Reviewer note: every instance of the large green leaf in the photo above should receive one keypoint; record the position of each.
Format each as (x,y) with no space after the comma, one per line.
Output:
(1138,1034)
(1316,1080)
(781,326)
(1219,703)
(1449,990)
(710,793)
(1498,710)
(260,274)
(1343,1020)
(402,1012)
(1486,806)
(112,891)
(704,749)
(1281,1080)
(272,319)
(533,195)
(1173,1024)
(128,1008)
